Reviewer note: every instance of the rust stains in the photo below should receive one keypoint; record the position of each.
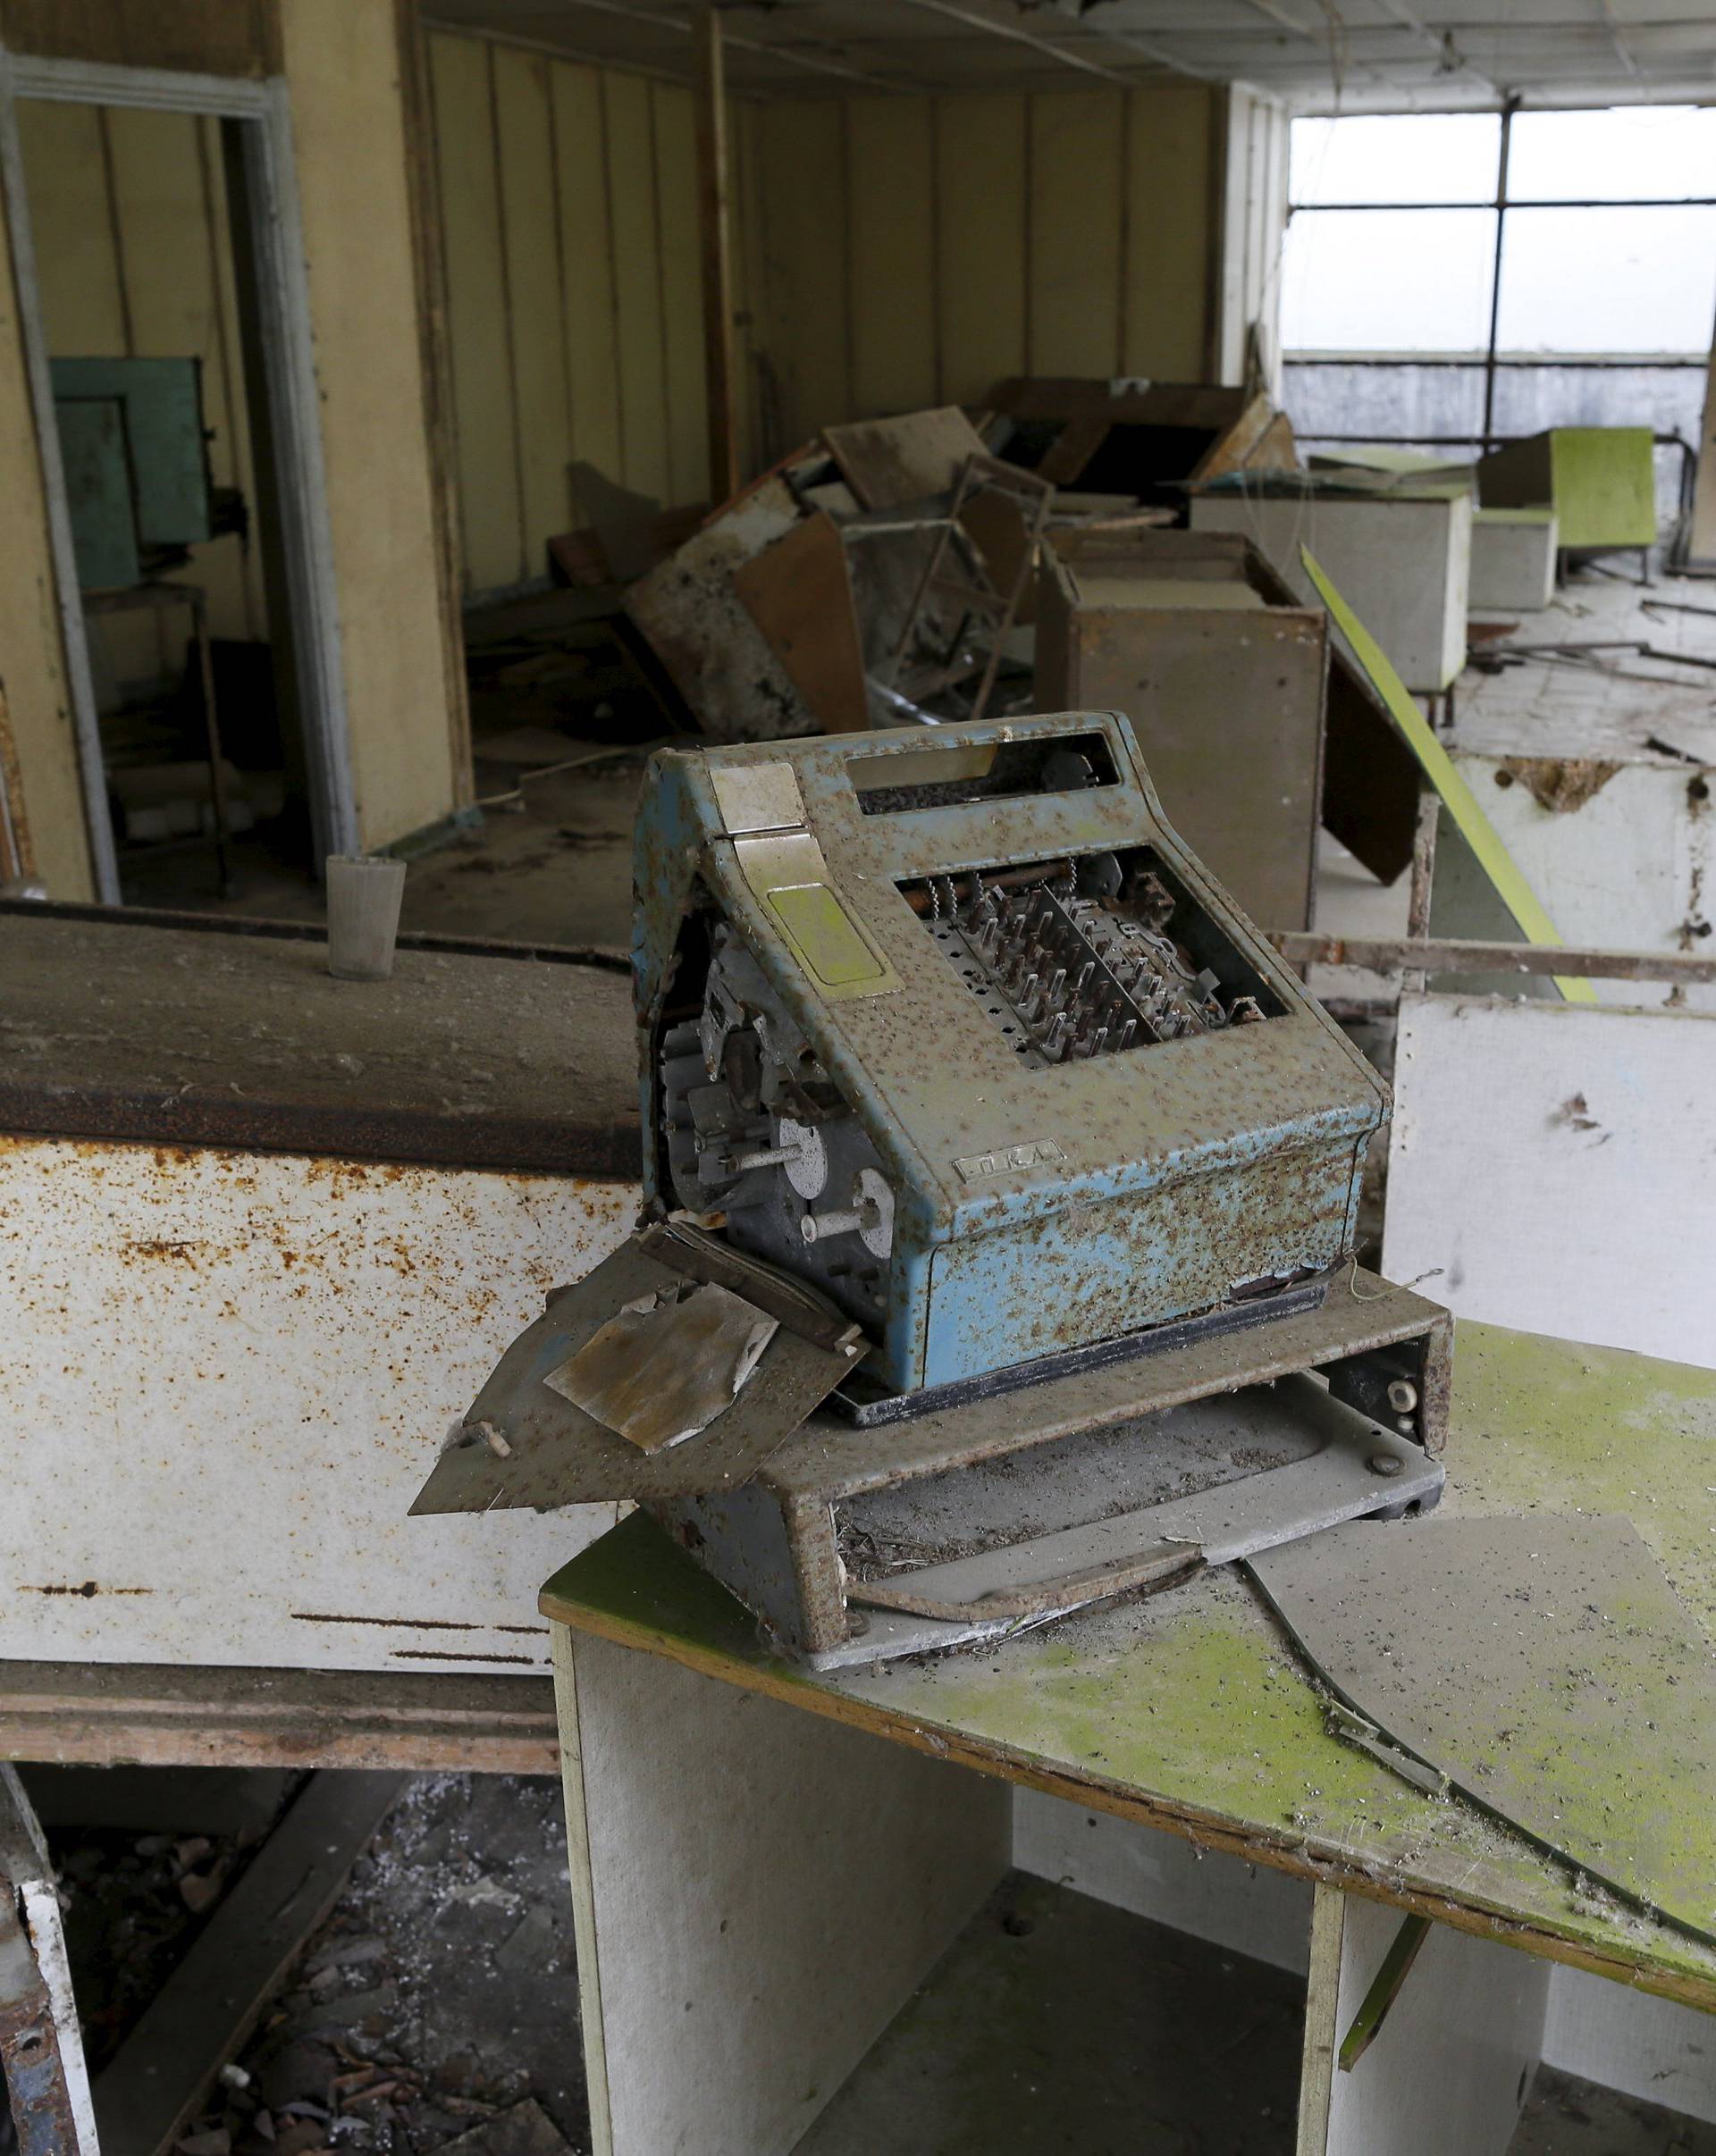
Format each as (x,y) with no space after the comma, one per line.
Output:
(1575,1113)
(431,1654)
(1561,784)
(88,1589)
(161,1247)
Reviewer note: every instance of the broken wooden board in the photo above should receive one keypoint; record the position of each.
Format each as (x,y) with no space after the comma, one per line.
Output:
(692,618)
(139,1714)
(1545,1665)
(798,592)
(1261,439)
(890,462)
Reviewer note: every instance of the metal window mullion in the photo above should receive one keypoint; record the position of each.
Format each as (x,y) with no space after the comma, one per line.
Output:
(1528,202)
(1503,151)
(1526,362)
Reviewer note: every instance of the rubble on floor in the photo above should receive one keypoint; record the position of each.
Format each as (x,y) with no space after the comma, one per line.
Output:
(439,2002)
(436,2006)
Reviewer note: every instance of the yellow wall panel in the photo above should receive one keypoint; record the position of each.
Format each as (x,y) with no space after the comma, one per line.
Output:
(804,188)
(491,516)
(890,151)
(1168,233)
(682,292)
(636,238)
(146,267)
(81,280)
(745,212)
(1075,232)
(588,269)
(76,254)
(163,211)
(342,67)
(238,405)
(524,134)
(32,655)
(981,171)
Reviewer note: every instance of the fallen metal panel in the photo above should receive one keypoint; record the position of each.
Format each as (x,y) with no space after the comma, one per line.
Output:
(1546,1667)
(526,1443)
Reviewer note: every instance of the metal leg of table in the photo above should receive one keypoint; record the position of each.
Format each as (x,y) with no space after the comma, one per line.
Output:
(1449,2068)
(41,2047)
(756,1891)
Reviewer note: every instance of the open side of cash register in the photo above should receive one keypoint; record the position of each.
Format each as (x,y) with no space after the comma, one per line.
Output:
(1000,1189)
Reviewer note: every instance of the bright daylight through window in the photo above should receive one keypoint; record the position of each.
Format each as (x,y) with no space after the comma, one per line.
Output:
(1451,277)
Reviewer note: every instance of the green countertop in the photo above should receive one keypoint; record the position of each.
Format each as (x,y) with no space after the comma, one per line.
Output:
(1191,1711)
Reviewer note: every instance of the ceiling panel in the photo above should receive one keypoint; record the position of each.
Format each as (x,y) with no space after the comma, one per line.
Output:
(1368,54)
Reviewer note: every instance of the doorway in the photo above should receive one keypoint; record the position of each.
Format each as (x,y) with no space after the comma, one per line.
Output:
(167,326)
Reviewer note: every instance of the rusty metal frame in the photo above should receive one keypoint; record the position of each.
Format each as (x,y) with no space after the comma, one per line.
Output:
(981,475)
(36,2073)
(30,2044)
(1410,955)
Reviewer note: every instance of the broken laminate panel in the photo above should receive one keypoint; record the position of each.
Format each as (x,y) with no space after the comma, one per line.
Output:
(889,463)
(1451,2065)
(798,592)
(808,1884)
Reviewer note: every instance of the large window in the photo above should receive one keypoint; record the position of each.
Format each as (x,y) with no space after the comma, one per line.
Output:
(1452,278)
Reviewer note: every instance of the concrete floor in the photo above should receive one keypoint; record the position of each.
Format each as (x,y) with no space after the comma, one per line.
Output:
(445,1976)
(447,1963)
(554,865)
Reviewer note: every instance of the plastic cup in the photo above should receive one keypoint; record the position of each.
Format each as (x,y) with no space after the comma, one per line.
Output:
(364,894)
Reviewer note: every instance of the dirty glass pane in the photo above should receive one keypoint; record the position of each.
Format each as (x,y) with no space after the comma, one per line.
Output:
(1663,150)
(1399,157)
(1387,281)
(1422,406)
(1608,280)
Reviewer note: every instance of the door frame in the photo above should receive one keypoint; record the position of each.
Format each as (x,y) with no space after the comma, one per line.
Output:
(263,110)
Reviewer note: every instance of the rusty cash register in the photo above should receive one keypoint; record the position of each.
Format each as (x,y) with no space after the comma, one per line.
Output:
(1000,1191)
